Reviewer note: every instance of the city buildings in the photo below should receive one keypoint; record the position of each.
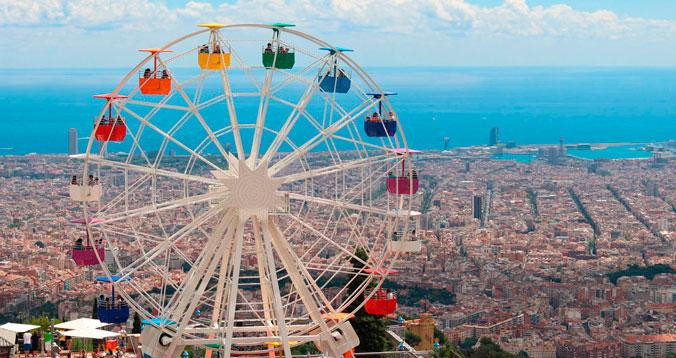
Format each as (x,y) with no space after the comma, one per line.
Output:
(528,278)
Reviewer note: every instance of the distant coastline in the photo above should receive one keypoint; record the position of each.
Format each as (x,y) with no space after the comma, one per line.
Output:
(532,106)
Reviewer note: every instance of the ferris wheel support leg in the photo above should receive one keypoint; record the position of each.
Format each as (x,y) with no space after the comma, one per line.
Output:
(332,342)
(157,343)
(277,299)
(238,236)
(218,300)
(265,281)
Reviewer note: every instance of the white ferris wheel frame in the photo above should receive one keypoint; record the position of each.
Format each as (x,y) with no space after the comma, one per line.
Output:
(223,248)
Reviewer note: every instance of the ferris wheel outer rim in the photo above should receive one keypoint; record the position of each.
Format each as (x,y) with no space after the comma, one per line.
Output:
(360,72)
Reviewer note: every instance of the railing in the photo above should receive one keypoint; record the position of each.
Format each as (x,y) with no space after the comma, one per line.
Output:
(104,121)
(153,74)
(285,49)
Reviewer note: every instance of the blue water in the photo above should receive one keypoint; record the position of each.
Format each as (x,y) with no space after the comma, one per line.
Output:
(614,152)
(529,105)
(517,157)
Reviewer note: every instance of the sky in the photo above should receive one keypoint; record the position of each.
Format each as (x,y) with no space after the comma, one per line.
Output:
(106,33)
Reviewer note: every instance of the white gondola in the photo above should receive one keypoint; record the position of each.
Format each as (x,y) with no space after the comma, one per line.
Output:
(85,192)
(406,232)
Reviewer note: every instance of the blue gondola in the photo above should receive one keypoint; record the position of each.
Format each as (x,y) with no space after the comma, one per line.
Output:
(381,125)
(335,80)
(110,311)
(380,128)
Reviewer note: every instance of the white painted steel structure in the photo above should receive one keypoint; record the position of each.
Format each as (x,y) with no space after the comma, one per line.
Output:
(260,240)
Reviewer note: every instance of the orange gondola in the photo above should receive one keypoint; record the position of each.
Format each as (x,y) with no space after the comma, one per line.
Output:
(152,82)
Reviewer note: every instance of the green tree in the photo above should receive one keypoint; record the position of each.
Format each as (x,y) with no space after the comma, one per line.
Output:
(446,351)
(370,329)
(411,338)
(439,335)
(648,272)
(468,343)
(522,354)
(305,348)
(137,324)
(95,309)
(43,321)
(488,348)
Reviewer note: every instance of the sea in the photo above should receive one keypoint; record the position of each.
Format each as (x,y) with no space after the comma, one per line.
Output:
(528,105)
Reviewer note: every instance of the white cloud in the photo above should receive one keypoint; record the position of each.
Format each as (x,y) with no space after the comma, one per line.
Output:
(448,17)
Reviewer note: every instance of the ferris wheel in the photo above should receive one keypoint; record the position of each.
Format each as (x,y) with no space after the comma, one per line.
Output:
(246,188)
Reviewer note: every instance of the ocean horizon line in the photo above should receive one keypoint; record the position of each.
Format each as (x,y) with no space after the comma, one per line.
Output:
(581,66)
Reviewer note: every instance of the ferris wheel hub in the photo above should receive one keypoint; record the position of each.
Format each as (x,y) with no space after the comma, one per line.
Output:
(251,189)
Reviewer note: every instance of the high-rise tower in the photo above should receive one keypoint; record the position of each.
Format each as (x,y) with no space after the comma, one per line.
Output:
(494,136)
(72,141)
(477,207)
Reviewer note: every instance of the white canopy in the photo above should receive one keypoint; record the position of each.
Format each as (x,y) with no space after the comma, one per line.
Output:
(18,327)
(81,323)
(90,333)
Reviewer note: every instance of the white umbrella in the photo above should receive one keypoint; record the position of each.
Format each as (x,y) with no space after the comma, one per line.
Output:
(18,327)
(90,333)
(81,323)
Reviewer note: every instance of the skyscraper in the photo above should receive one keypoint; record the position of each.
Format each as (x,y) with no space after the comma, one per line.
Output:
(477,208)
(494,136)
(446,140)
(72,141)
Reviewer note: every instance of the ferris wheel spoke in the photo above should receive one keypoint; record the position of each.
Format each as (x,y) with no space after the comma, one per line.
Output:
(265,281)
(298,274)
(195,284)
(316,140)
(118,231)
(157,208)
(195,111)
(156,105)
(339,167)
(146,170)
(297,76)
(298,110)
(170,241)
(328,240)
(275,298)
(261,116)
(337,204)
(238,238)
(232,113)
(326,96)
(171,138)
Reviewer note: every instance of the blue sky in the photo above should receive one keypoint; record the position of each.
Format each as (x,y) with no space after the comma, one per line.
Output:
(106,33)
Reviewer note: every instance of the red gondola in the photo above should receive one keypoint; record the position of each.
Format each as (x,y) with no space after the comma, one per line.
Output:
(381,303)
(404,183)
(110,129)
(86,255)
(152,82)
